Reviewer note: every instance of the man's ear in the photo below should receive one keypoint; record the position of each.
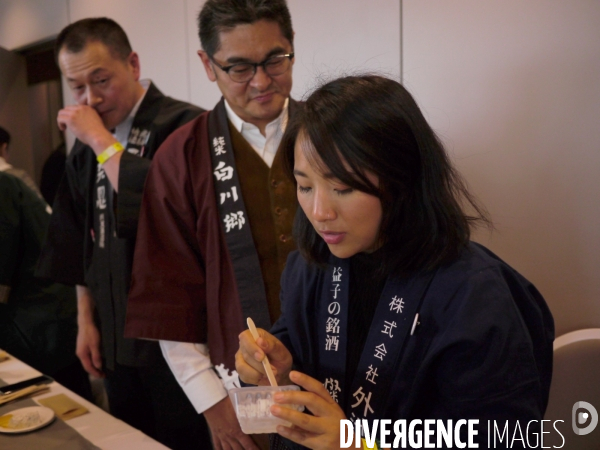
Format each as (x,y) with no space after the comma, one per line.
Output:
(4,150)
(134,62)
(208,67)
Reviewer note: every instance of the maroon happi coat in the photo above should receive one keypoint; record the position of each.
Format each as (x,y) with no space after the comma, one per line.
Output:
(184,285)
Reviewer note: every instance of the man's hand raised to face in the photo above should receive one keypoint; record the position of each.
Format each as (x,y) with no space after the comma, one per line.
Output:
(87,126)
(85,123)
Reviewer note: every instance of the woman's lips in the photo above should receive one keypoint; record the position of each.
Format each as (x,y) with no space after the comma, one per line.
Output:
(331,237)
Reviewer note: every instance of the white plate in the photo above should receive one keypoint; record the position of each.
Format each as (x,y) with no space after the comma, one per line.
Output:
(46,416)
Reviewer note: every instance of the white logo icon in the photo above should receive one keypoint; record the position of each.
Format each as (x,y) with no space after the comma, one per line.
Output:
(579,418)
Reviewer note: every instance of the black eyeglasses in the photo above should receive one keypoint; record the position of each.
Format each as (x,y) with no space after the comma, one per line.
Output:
(273,66)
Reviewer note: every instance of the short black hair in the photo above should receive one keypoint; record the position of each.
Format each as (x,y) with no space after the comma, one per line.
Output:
(4,136)
(76,36)
(370,124)
(223,15)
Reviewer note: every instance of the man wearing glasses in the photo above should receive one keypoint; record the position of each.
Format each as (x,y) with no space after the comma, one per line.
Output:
(217,212)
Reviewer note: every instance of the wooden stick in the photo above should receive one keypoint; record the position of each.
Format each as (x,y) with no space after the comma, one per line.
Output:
(265,361)
(22,393)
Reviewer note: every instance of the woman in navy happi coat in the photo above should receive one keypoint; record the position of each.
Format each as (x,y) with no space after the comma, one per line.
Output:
(389,311)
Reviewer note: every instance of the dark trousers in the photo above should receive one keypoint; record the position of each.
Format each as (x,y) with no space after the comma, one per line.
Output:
(75,378)
(151,400)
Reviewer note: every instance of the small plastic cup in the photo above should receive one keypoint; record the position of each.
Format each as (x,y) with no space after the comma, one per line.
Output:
(253,408)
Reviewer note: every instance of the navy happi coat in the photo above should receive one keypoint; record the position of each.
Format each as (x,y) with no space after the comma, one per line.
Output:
(480,348)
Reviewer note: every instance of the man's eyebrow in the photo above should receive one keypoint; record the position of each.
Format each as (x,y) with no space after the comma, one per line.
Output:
(273,52)
(97,71)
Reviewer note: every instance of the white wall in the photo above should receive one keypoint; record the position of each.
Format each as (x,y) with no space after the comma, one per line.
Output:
(157,33)
(164,33)
(326,42)
(513,87)
(23,22)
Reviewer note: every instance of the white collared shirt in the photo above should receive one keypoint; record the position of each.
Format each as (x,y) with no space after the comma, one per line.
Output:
(122,130)
(265,146)
(193,370)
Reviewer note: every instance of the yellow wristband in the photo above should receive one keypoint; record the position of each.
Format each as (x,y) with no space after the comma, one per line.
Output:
(109,152)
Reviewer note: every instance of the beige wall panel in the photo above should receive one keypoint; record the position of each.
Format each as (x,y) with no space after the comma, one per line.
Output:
(512,88)
(14,110)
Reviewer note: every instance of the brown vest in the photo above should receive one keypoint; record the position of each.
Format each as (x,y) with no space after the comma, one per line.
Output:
(270,199)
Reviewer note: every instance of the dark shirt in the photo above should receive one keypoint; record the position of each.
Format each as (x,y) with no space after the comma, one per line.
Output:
(52,172)
(366,285)
(92,231)
(37,322)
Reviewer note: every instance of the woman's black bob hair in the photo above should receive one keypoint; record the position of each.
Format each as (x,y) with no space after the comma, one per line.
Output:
(370,124)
